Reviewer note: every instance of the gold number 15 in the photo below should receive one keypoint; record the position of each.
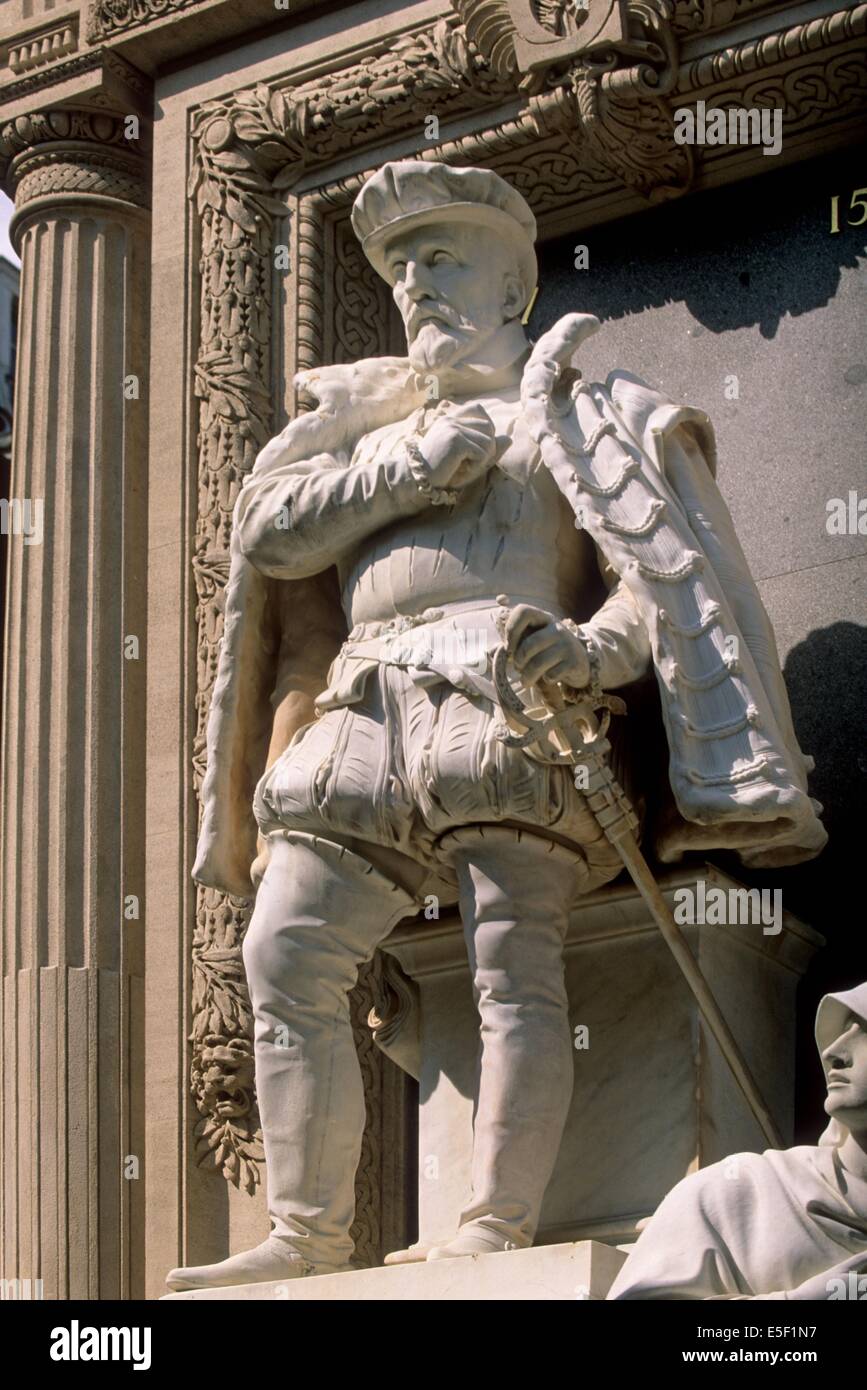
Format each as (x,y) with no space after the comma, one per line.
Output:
(858,199)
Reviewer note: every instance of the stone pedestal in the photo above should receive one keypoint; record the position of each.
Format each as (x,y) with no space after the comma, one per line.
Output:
(73,710)
(653,1097)
(582,1271)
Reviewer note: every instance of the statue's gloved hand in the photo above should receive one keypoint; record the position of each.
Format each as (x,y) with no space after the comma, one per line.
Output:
(543,648)
(459,447)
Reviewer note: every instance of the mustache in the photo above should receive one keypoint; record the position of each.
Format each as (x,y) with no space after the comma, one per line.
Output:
(438,313)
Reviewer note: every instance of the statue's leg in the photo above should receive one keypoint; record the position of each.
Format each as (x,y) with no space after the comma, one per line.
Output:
(320,912)
(515,893)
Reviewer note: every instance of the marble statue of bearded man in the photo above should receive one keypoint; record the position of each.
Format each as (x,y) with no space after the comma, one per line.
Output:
(382,545)
(788,1224)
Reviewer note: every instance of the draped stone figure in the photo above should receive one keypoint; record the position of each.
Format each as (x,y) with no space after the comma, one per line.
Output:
(384,545)
(782,1225)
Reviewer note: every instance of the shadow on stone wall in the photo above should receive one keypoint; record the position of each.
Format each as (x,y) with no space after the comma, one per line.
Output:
(826,677)
(736,258)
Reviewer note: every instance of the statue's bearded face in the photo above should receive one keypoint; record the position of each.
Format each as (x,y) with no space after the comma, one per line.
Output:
(845,1063)
(455,286)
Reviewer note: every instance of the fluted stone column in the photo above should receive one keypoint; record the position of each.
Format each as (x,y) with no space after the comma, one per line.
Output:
(73,710)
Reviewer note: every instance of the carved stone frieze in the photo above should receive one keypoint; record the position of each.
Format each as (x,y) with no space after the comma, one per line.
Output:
(98,60)
(520,35)
(232,383)
(269,137)
(699,16)
(807,71)
(109,17)
(602,71)
(823,37)
(222,1068)
(615,96)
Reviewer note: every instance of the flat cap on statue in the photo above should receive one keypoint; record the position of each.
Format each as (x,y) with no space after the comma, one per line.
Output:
(412,192)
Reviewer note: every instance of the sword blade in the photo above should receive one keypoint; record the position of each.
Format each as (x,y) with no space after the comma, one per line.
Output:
(639,871)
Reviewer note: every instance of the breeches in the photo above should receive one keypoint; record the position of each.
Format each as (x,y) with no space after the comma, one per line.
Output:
(408,764)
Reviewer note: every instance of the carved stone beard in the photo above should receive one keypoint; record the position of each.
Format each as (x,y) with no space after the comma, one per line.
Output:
(440,347)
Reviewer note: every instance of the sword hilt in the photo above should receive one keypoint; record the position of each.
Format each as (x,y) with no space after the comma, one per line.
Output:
(569,732)
(566,718)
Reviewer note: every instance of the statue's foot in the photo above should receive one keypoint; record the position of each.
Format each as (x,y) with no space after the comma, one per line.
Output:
(414,1254)
(471,1240)
(273,1259)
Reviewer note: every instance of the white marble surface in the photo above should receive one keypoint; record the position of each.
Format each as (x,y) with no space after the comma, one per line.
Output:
(572,1272)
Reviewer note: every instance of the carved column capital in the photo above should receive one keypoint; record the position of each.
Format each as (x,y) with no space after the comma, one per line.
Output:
(63,156)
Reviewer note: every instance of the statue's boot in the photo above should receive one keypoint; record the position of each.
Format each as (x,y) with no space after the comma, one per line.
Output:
(274,1259)
(321,910)
(412,1255)
(470,1241)
(516,890)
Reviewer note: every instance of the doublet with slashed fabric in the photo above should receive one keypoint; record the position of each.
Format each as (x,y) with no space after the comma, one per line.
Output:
(404,750)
